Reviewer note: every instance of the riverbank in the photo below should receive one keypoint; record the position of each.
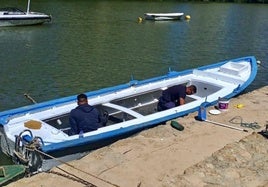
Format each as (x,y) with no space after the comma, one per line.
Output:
(203,154)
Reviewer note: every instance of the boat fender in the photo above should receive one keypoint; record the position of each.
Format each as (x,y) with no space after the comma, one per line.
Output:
(176,125)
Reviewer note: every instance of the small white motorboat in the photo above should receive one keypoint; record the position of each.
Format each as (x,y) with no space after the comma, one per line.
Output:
(163,16)
(11,16)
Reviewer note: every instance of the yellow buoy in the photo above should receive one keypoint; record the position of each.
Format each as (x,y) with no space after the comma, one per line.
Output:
(139,19)
(187,17)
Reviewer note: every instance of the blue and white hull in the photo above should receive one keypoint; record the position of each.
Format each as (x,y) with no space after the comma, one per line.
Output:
(132,107)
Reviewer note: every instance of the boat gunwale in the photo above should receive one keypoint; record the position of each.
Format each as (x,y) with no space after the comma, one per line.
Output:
(6,115)
(96,139)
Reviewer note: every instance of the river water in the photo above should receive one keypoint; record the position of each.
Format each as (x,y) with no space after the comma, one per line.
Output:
(95,44)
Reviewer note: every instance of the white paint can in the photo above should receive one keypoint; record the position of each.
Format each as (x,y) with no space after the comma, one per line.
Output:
(223,104)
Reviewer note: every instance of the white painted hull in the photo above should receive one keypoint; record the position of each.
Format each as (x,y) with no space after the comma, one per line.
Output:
(21,20)
(11,16)
(131,107)
(163,16)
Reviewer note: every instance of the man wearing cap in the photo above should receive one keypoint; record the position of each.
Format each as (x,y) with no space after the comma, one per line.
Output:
(85,118)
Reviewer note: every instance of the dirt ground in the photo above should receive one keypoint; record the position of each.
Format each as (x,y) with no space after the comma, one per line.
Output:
(203,154)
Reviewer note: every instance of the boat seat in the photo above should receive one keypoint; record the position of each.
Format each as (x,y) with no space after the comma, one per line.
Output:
(218,76)
(194,97)
(124,109)
(233,68)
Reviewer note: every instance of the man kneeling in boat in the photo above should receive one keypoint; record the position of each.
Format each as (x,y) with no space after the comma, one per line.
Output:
(174,96)
(85,117)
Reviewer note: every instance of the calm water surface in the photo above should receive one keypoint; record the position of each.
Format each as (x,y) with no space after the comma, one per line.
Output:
(95,44)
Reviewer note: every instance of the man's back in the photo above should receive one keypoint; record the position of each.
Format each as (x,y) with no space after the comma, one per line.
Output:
(174,93)
(171,97)
(85,118)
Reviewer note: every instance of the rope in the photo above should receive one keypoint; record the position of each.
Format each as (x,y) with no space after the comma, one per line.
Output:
(30,98)
(75,168)
(74,178)
(253,125)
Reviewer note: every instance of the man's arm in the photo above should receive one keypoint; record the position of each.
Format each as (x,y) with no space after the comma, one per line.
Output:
(74,128)
(181,101)
(102,117)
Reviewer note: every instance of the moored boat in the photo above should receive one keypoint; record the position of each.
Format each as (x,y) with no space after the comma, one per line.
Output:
(11,16)
(9,173)
(163,16)
(36,134)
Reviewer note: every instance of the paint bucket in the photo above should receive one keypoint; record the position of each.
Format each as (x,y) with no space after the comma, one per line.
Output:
(223,104)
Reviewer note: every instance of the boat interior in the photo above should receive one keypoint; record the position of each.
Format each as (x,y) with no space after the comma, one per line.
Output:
(135,106)
(119,110)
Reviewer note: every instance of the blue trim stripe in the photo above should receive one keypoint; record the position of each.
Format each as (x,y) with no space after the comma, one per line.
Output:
(5,115)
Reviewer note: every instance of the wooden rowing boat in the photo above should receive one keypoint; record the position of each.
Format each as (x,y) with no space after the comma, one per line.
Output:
(132,107)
